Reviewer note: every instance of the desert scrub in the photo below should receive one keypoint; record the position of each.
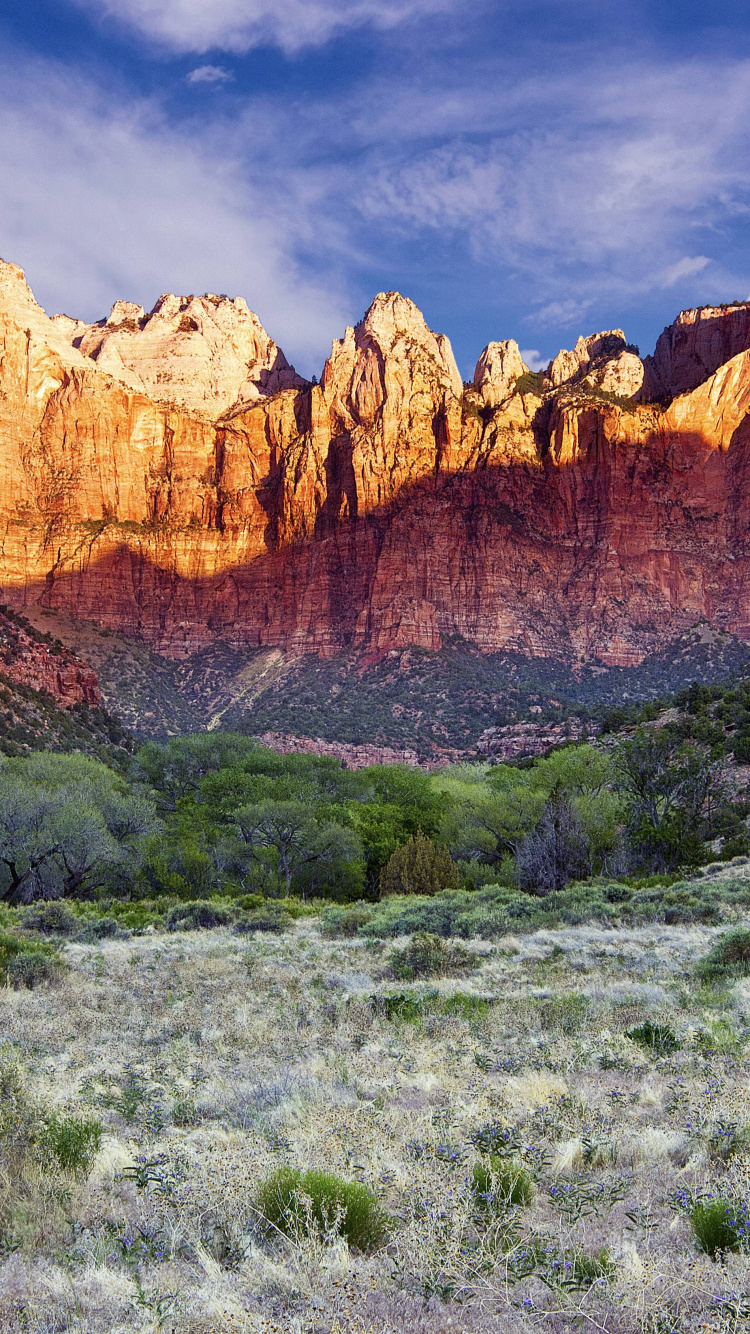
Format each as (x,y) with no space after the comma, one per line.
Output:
(201,915)
(345,923)
(720,1226)
(428,955)
(730,957)
(659,1039)
(499,1183)
(303,1203)
(26,963)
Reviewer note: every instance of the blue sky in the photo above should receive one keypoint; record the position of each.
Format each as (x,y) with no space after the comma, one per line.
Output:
(532,171)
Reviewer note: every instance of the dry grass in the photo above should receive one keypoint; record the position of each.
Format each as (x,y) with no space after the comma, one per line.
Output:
(213,1060)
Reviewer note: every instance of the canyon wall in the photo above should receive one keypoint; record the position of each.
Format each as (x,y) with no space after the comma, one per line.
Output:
(170,476)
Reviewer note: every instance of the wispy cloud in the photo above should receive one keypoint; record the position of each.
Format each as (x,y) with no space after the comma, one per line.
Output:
(102,199)
(210,74)
(534,359)
(239,25)
(684,268)
(600,194)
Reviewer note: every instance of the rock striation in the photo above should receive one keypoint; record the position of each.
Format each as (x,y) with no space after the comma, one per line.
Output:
(182,485)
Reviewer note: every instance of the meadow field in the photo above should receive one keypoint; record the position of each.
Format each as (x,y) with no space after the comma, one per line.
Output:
(545,1131)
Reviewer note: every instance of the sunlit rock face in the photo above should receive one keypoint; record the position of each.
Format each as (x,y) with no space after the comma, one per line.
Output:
(183,485)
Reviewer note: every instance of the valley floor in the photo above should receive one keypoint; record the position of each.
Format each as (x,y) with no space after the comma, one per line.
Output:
(213,1059)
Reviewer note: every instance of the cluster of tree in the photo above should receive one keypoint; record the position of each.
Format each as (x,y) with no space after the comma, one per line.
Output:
(218,813)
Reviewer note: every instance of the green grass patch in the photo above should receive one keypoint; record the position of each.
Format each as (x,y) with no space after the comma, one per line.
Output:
(296,1202)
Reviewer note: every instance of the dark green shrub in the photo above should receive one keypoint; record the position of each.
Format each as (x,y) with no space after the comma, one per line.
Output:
(72,1141)
(419,867)
(202,915)
(26,963)
(501,1183)
(428,955)
(269,918)
(658,1038)
(730,956)
(51,918)
(345,922)
(531,382)
(719,1226)
(295,1201)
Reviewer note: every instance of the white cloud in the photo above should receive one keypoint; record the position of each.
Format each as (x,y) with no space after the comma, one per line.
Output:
(534,360)
(101,199)
(684,268)
(209,74)
(595,184)
(239,25)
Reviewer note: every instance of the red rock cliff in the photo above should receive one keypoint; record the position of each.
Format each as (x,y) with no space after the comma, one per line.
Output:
(386,506)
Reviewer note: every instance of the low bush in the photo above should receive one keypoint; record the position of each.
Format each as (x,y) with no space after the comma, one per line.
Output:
(270,918)
(345,922)
(730,957)
(659,1039)
(720,1226)
(428,955)
(51,918)
(500,1183)
(201,915)
(26,963)
(297,1202)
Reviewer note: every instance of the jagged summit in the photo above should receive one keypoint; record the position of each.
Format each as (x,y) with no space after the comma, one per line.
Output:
(205,353)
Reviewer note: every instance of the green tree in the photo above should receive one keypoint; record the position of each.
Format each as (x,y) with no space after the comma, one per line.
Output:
(68,825)
(419,867)
(668,785)
(298,844)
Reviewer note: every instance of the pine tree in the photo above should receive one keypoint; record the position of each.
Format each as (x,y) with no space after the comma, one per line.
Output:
(419,867)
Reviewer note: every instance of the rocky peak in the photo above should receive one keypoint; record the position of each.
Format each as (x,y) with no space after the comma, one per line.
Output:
(497,371)
(204,353)
(588,352)
(391,355)
(694,347)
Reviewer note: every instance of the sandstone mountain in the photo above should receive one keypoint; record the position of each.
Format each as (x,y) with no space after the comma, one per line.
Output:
(171,477)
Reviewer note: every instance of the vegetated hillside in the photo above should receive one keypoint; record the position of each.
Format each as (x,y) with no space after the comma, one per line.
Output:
(437,704)
(32,720)
(50,698)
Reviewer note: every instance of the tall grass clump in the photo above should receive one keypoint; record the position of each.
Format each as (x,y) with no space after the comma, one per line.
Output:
(730,957)
(500,1184)
(306,1203)
(720,1226)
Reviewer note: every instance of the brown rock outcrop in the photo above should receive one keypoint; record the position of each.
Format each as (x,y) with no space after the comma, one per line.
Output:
(36,660)
(696,345)
(383,508)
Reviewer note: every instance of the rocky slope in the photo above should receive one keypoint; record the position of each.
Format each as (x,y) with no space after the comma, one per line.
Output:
(169,476)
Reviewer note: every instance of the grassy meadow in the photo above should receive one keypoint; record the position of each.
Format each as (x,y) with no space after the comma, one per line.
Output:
(554,1135)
